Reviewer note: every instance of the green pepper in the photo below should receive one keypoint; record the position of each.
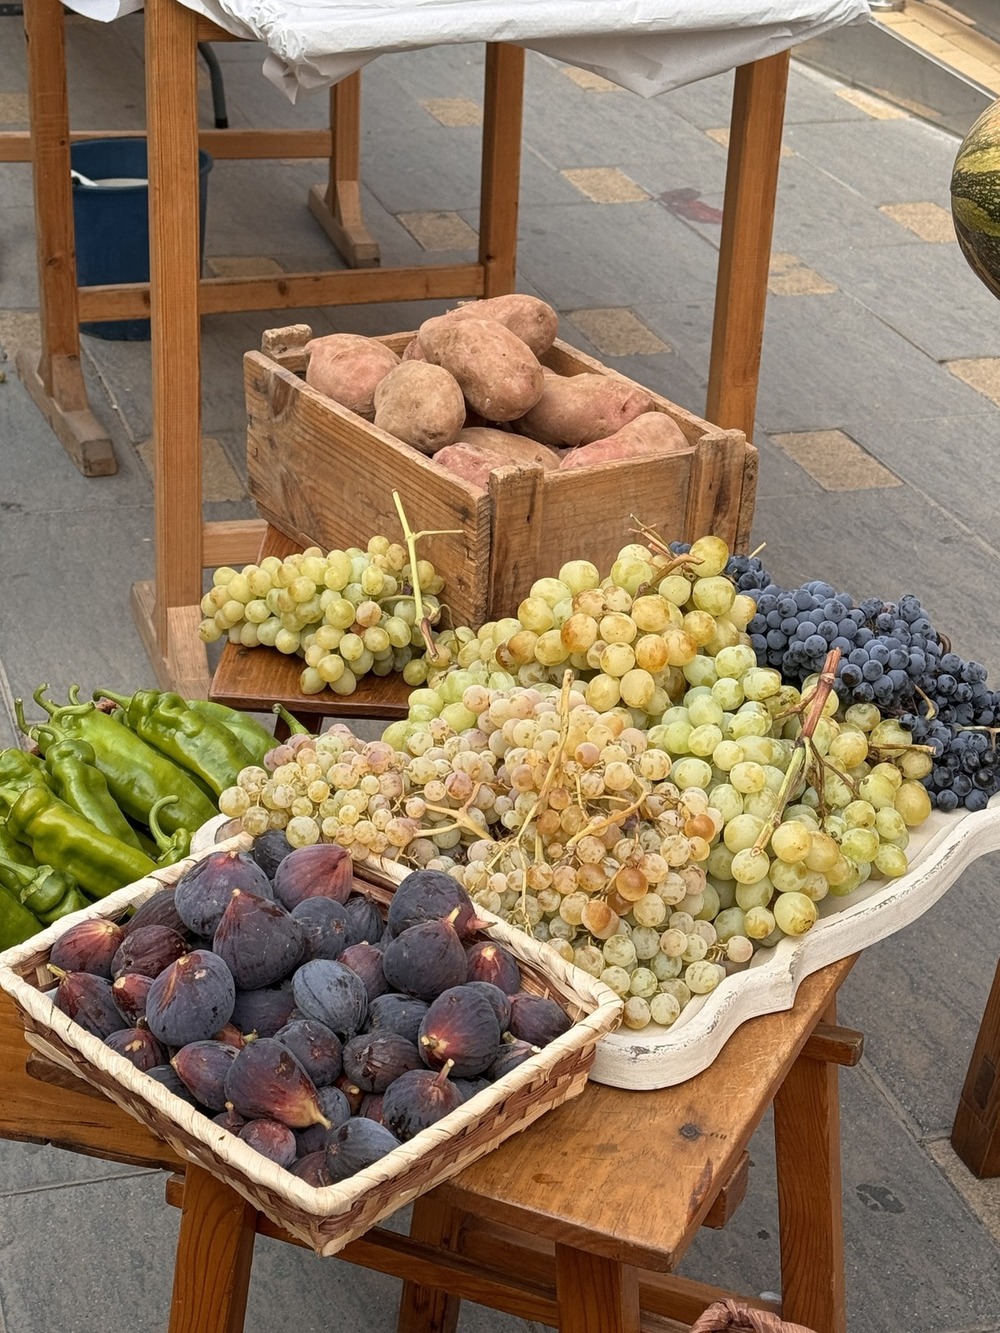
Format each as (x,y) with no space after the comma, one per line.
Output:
(41,888)
(295,727)
(12,850)
(18,768)
(204,747)
(16,922)
(59,836)
(73,902)
(137,774)
(170,847)
(257,739)
(78,781)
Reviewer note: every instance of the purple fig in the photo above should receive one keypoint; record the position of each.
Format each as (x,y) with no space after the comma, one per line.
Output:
(460,1029)
(167,1078)
(418,1099)
(312,1169)
(425,960)
(148,950)
(265,1081)
(371,1107)
(258,940)
(139,1047)
(270,849)
(358,1144)
(202,893)
(89,946)
(536,1019)
(493,963)
(262,1012)
(366,960)
(271,1139)
(317,1049)
(159,909)
(229,1119)
(351,1091)
(326,925)
(510,1055)
(88,1000)
(372,1060)
(324,870)
(129,992)
(431,895)
(468,1087)
(365,924)
(230,1035)
(337,1110)
(497,998)
(401,1014)
(191,999)
(327,990)
(202,1067)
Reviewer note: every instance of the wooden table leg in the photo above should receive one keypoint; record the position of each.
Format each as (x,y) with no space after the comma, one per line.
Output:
(54,376)
(169,626)
(807,1147)
(594,1294)
(745,248)
(214,1254)
(336,206)
(503,109)
(429,1309)
(975,1136)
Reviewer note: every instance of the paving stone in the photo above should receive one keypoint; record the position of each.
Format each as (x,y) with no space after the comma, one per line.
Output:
(440,231)
(16,186)
(835,461)
(788,276)
(779,476)
(721,137)
(14,109)
(875,107)
(218,477)
(454,111)
(25,1167)
(982,1196)
(243,266)
(930,222)
(18,328)
(605,185)
(588,80)
(981,373)
(18,280)
(617,332)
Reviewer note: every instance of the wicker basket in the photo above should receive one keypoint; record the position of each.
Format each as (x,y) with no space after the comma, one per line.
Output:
(731,1317)
(327,1218)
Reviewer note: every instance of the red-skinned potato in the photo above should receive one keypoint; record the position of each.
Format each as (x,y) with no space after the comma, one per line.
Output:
(649,433)
(498,373)
(509,447)
(532,320)
(420,404)
(348,368)
(578,409)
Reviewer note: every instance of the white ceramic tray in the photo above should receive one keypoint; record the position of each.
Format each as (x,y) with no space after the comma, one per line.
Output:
(659,1057)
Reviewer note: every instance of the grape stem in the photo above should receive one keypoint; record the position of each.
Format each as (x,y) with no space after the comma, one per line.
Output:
(816,701)
(411,538)
(601,824)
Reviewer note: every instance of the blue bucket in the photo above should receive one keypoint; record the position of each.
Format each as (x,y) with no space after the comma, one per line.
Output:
(112,222)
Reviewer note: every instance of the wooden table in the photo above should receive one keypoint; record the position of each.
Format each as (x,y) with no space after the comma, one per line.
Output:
(166,610)
(577,1222)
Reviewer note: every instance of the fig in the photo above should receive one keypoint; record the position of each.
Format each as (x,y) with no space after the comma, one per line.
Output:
(460,1029)
(366,924)
(89,1001)
(371,1107)
(536,1019)
(468,1087)
(326,926)
(317,1049)
(358,1144)
(89,946)
(366,960)
(202,893)
(202,1067)
(265,1081)
(139,1047)
(323,870)
(497,998)
(351,1091)
(431,895)
(373,1060)
(510,1055)
(167,1077)
(159,909)
(392,1012)
(263,1011)
(148,950)
(270,849)
(129,992)
(229,1119)
(493,963)
(417,1100)
(258,940)
(312,1169)
(271,1139)
(425,960)
(191,999)
(337,1110)
(325,989)
(230,1035)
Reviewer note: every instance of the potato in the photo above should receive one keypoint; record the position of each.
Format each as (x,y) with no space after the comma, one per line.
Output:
(532,320)
(347,368)
(421,405)
(508,447)
(470,462)
(578,409)
(498,373)
(412,351)
(650,433)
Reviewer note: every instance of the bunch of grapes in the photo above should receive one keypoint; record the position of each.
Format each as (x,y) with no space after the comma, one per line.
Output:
(346,612)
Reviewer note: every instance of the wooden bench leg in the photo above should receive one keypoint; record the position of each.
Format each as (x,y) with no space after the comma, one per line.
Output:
(54,376)
(336,206)
(503,107)
(594,1294)
(427,1309)
(975,1135)
(214,1254)
(810,1217)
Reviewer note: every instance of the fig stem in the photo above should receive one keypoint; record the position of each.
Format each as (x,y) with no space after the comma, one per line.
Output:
(446,1069)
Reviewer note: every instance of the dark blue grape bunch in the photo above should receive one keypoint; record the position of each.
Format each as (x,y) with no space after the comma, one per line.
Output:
(747,572)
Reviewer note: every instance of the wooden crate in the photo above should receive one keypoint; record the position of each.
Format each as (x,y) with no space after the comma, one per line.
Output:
(325,477)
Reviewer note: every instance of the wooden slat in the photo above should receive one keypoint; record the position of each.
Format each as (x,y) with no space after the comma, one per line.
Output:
(214,1254)
(224,145)
(836,1045)
(336,206)
(426,1309)
(730,1196)
(594,1294)
(975,1136)
(715,490)
(519,543)
(503,104)
(231,541)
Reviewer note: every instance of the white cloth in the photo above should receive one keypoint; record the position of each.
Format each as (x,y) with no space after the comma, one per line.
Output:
(647,46)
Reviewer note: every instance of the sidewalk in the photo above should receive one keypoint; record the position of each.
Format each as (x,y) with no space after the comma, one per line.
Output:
(879,430)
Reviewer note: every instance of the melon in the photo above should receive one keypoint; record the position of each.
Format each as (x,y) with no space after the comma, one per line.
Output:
(975,197)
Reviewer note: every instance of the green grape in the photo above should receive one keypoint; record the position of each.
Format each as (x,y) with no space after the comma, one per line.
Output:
(759,894)
(703,977)
(643,983)
(758,923)
(794,913)
(859,845)
(791,841)
(729,923)
(890,861)
(710,556)
(691,772)
(617,978)
(636,1013)
(714,595)
(577,575)
(664,1009)
(749,866)
(741,832)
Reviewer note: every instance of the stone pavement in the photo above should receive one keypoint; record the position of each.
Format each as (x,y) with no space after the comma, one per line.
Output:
(879,430)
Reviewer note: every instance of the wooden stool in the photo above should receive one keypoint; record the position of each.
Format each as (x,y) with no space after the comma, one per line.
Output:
(975,1135)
